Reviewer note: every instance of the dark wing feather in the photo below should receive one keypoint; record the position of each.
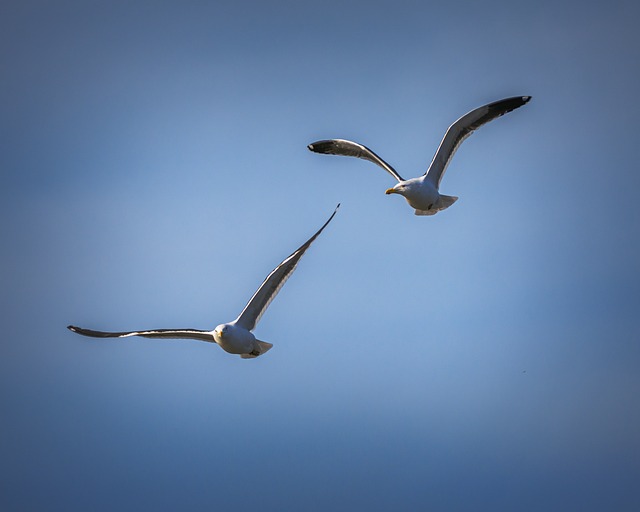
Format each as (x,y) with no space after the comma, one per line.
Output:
(258,304)
(464,127)
(193,334)
(348,148)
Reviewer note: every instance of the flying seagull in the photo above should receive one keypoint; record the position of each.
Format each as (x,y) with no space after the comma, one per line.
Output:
(233,337)
(422,193)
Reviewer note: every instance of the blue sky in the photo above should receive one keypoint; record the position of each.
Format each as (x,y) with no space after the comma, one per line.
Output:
(155,170)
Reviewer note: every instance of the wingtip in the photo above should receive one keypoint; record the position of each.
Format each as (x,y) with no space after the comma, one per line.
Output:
(72,328)
(332,216)
(526,98)
(323,146)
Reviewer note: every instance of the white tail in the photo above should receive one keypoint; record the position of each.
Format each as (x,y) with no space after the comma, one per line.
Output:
(264,347)
(443,203)
(426,212)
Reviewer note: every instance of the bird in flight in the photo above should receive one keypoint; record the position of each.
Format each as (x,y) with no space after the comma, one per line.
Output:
(233,337)
(422,193)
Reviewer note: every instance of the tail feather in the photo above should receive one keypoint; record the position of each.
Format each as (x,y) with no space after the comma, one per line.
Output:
(264,347)
(443,203)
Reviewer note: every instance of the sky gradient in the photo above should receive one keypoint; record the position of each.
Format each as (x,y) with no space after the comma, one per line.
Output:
(155,170)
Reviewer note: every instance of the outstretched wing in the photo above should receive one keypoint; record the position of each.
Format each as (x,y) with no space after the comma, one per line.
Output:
(260,301)
(464,127)
(193,334)
(348,148)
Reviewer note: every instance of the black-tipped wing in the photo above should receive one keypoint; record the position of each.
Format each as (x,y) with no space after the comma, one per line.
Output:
(260,301)
(348,148)
(193,334)
(464,127)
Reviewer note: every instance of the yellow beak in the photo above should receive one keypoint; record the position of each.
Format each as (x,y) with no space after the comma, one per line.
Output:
(390,191)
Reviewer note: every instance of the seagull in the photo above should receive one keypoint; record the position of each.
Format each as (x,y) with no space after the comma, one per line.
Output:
(233,337)
(422,193)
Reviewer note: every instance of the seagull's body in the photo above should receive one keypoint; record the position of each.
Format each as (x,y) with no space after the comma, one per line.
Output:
(423,193)
(233,337)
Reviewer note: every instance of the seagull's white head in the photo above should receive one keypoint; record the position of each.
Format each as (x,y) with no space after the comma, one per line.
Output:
(220,332)
(398,189)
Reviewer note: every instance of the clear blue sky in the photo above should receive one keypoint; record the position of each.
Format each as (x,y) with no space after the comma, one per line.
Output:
(155,170)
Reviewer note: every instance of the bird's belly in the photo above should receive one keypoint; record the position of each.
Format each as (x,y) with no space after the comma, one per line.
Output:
(238,344)
(422,198)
